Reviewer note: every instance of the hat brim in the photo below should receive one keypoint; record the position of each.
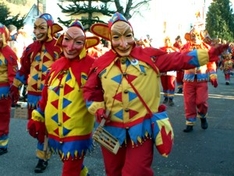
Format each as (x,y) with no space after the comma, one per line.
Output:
(101,30)
(91,42)
(187,36)
(56,28)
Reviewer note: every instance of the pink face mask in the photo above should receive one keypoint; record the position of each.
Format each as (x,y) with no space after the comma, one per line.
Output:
(73,42)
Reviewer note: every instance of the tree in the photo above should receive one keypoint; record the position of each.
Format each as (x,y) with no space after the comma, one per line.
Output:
(220,20)
(18,2)
(6,18)
(92,11)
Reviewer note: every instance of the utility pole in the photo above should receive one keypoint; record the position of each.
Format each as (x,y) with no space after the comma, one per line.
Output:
(37,7)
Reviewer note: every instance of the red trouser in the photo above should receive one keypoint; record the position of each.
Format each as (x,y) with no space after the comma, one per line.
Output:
(5,114)
(227,76)
(195,100)
(168,85)
(179,79)
(72,167)
(130,161)
(30,113)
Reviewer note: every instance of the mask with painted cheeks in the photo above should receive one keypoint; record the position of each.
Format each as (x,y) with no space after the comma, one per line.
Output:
(40,29)
(122,38)
(4,35)
(196,37)
(73,42)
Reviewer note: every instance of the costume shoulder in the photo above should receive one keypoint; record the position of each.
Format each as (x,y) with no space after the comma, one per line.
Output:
(185,47)
(52,48)
(103,61)
(146,53)
(31,47)
(8,53)
(60,64)
(89,59)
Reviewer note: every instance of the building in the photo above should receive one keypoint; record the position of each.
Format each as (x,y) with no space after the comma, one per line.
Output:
(30,17)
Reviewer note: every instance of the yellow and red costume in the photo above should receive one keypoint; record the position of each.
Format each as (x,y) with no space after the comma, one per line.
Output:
(168,78)
(227,66)
(62,112)
(195,83)
(108,87)
(179,73)
(8,69)
(35,63)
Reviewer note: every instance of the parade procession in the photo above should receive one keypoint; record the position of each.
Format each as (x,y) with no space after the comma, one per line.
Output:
(94,88)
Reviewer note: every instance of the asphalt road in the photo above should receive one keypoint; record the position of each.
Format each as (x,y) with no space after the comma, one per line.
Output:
(200,153)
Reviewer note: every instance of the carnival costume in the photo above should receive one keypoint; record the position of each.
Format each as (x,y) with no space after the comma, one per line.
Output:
(35,62)
(227,66)
(62,111)
(8,69)
(195,83)
(115,83)
(179,73)
(168,78)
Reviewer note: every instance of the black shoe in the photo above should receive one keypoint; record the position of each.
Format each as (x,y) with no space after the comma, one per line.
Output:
(165,100)
(170,102)
(180,91)
(204,124)
(3,151)
(41,166)
(188,129)
(227,83)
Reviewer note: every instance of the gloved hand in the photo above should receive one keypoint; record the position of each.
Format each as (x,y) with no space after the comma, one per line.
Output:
(214,82)
(37,129)
(214,52)
(162,108)
(14,94)
(213,79)
(101,114)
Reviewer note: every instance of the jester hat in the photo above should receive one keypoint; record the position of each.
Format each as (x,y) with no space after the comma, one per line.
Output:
(90,41)
(4,34)
(53,28)
(103,30)
(194,30)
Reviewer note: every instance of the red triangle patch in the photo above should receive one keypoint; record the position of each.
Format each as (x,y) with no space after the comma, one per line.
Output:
(131,77)
(56,131)
(132,113)
(65,117)
(55,104)
(45,59)
(118,97)
(67,89)
(37,67)
(34,86)
(43,77)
